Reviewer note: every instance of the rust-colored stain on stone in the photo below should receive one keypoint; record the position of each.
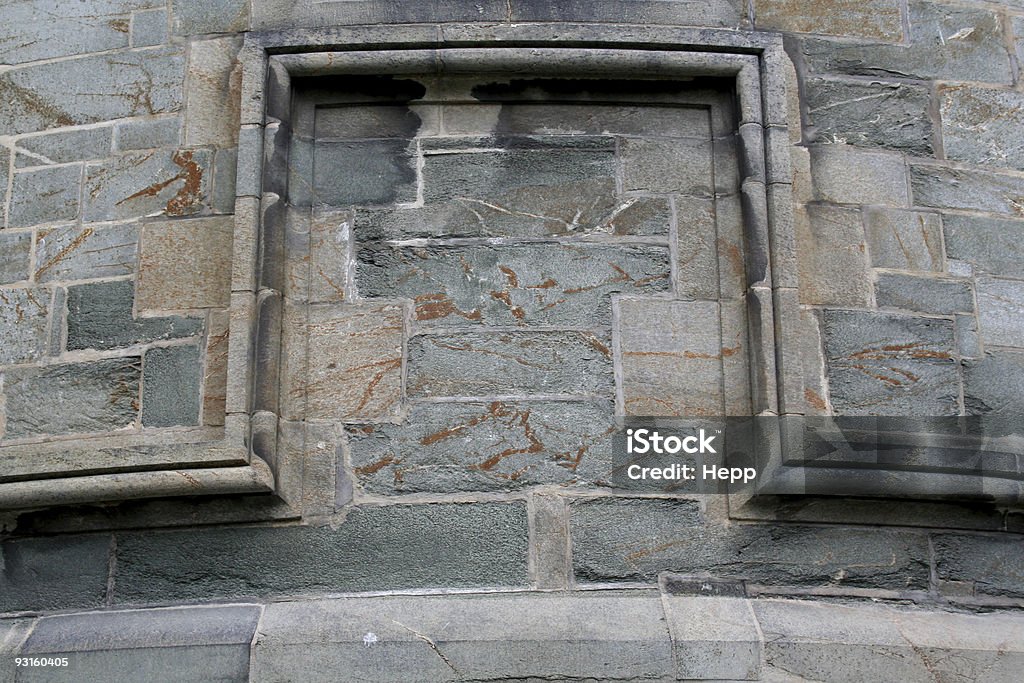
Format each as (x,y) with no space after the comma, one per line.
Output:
(63,253)
(188,195)
(434,306)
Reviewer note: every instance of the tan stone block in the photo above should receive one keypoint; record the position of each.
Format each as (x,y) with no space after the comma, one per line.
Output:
(185,265)
(878,19)
(329,256)
(215,373)
(213,101)
(832,256)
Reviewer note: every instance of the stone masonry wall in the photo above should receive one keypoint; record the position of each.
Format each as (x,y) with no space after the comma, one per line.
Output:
(119,127)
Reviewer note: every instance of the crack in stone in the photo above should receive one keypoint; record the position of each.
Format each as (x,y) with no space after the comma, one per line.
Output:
(433,646)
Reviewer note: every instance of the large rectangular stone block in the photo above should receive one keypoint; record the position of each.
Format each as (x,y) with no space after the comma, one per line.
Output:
(552,284)
(832,262)
(878,19)
(171,386)
(23,318)
(193,17)
(185,264)
(15,252)
(365,173)
(100,317)
(680,166)
(85,252)
(698,245)
(63,147)
(992,387)
(941,296)
(502,445)
(982,125)
(47,195)
(100,396)
(214,88)
(953,188)
(503,364)
(1001,311)
(994,565)
(845,175)
(904,240)
(171,182)
(993,246)
(55,573)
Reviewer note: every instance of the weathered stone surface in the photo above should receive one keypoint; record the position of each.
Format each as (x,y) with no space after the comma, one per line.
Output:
(210,16)
(991,245)
(714,639)
(82,253)
(629,539)
(185,264)
(90,89)
(962,189)
(904,240)
(992,386)
(375,548)
(369,121)
(680,166)
(330,253)
(370,172)
(171,383)
(995,565)
(879,19)
(15,248)
(149,28)
(512,285)
(832,263)
(846,175)
(63,147)
(981,125)
(883,364)
(215,370)
(353,369)
(1001,311)
(716,13)
(23,315)
(214,88)
(225,172)
(47,195)
(59,572)
(502,364)
(924,294)
(671,357)
(100,396)
(698,244)
(869,114)
(589,118)
(449,447)
(147,134)
(100,317)
(171,182)
(968,342)
(5,163)
(946,43)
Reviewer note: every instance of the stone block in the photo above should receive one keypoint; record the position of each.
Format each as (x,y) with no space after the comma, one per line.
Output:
(634,539)
(831,259)
(718,13)
(550,546)
(215,370)
(176,644)
(508,364)
(171,182)
(697,248)
(1001,311)
(100,396)
(193,17)
(139,134)
(185,265)
(369,121)
(844,175)
(904,240)
(390,547)
(225,172)
(54,573)
(85,252)
(968,342)
(63,147)
(526,284)
(212,101)
(714,639)
(171,386)
(671,356)
(100,317)
(980,125)
(877,19)
(12,634)
(993,246)
(681,166)
(812,356)
(290,14)
(365,173)
(5,164)
(885,364)
(353,355)
(330,256)
(995,565)
(589,118)
(497,446)
(90,89)
(15,252)
(23,318)
(941,296)
(947,42)
(149,28)
(953,188)
(992,386)
(46,195)
(869,114)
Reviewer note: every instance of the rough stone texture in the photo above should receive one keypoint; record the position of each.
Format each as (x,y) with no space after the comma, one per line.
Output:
(967,340)
(991,245)
(967,189)
(185,265)
(62,572)
(714,639)
(992,386)
(63,147)
(45,195)
(100,317)
(979,125)
(923,294)
(882,364)
(215,370)
(171,381)
(699,247)
(100,396)
(502,445)
(845,175)
(879,19)
(514,285)
(995,565)
(681,166)
(1001,311)
(212,99)
(831,260)
(496,364)
(90,89)
(329,255)
(23,315)
(904,240)
(147,134)
(869,114)
(149,28)
(629,539)
(171,182)
(15,249)
(375,548)
(369,173)
(210,16)
(85,253)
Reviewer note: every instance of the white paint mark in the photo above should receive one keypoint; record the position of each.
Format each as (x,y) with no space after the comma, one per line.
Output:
(369,639)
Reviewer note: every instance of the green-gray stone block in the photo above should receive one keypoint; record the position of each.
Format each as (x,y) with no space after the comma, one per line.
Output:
(681,166)
(99,396)
(370,172)
(63,147)
(1001,311)
(992,387)
(15,249)
(982,125)
(23,317)
(994,565)
(55,573)
(171,386)
(375,548)
(171,182)
(210,16)
(904,240)
(100,317)
(46,195)
(86,252)
(953,188)
(993,246)
(941,296)
(147,134)
(495,446)
(149,28)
